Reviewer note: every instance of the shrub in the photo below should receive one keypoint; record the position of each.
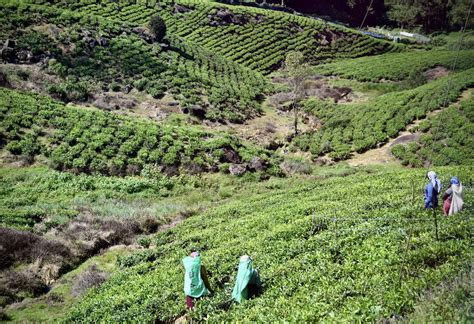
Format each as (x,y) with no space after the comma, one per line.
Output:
(21,246)
(144,241)
(92,277)
(158,27)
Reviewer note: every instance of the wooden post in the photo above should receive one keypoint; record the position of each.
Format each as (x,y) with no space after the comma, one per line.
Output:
(405,258)
(436,223)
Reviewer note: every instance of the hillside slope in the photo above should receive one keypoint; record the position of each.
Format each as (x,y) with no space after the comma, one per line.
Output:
(256,38)
(354,248)
(88,54)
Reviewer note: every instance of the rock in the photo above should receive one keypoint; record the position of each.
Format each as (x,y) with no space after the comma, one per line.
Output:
(10,43)
(164,46)
(103,41)
(3,80)
(143,33)
(197,111)
(237,169)
(24,56)
(257,164)
(7,54)
(230,156)
(172,103)
(273,145)
(181,9)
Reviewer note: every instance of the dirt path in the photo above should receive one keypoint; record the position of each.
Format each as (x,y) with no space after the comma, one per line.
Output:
(382,154)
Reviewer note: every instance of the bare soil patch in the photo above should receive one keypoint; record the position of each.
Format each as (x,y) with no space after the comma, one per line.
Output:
(436,73)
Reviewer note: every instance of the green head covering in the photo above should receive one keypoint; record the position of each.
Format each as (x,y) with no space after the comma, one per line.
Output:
(193,284)
(244,274)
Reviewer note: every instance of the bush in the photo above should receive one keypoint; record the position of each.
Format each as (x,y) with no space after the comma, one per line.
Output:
(92,277)
(21,246)
(144,241)
(20,284)
(158,27)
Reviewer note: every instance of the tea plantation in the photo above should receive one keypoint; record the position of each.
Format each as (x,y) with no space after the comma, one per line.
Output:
(355,248)
(132,131)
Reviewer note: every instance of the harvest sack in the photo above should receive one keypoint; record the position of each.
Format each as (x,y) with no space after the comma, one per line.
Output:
(457,199)
(193,284)
(245,275)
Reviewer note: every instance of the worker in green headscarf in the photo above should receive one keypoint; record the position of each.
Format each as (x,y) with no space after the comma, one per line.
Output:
(196,283)
(247,283)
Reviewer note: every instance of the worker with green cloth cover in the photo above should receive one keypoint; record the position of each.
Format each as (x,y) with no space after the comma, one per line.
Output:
(247,283)
(196,283)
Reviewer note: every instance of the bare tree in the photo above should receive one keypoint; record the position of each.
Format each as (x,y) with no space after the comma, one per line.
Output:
(297,70)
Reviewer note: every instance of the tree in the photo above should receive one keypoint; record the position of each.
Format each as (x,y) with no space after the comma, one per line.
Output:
(157,27)
(297,71)
(405,15)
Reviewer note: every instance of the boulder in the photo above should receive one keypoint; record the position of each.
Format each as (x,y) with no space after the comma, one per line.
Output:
(229,155)
(103,41)
(180,9)
(24,56)
(7,54)
(257,164)
(237,169)
(197,111)
(127,88)
(143,33)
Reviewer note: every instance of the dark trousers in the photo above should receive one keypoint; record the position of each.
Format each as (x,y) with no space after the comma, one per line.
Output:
(189,302)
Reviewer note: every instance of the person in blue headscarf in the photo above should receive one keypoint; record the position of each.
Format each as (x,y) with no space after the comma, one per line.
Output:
(432,190)
(453,198)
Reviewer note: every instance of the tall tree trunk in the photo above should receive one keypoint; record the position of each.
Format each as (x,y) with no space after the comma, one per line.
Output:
(295,111)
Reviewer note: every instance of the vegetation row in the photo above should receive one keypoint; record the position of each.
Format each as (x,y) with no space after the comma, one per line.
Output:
(256,38)
(397,66)
(350,128)
(445,139)
(92,141)
(354,248)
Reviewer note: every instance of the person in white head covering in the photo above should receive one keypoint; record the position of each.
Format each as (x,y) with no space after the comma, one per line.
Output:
(247,282)
(432,190)
(196,283)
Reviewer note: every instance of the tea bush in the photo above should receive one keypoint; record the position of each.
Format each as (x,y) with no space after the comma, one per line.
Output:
(353,248)
(447,139)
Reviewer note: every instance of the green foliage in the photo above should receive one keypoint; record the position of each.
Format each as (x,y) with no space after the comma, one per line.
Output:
(447,139)
(341,241)
(114,54)
(158,27)
(144,241)
(70,90)
(357,127)
(396,66)
(91,141)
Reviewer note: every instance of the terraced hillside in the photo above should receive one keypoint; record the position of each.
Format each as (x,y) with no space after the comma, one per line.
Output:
(354,248)
(90,53)
(350,128)
(92,141)
(255,38)
(397,66)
